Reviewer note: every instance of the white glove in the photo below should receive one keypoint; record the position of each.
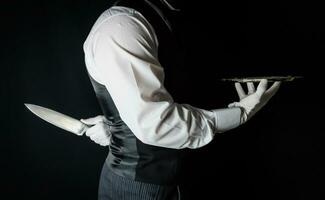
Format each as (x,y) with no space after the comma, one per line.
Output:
(99,132)
(253,101)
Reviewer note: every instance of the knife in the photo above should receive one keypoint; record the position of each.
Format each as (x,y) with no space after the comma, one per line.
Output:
(259,78)
(58,119)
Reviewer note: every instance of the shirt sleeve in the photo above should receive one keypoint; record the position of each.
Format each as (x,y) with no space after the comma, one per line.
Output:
(126,62)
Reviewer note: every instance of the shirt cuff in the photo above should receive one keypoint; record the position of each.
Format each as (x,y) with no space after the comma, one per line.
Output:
(227,118)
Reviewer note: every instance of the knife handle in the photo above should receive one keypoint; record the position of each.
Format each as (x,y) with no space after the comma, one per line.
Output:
(83,130)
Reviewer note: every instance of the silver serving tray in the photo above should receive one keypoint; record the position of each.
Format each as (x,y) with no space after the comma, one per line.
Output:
(259,78)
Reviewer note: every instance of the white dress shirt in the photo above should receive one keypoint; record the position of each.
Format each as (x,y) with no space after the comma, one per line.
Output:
(121,52)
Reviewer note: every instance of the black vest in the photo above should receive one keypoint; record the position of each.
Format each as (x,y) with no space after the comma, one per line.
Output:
(128,156)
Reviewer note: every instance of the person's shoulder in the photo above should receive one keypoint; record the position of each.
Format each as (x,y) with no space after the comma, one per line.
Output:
(109,22)
(116,15)
(119,18)
(118,12)
(122,25)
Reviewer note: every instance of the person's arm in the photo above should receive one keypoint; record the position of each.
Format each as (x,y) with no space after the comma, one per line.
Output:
(125,61)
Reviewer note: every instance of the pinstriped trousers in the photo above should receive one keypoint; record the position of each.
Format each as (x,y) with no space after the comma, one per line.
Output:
(115,187)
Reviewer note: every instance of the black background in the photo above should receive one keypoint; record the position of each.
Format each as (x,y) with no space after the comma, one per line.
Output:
(277,155)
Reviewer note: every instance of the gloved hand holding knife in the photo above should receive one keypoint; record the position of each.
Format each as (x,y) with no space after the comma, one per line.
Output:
(99,131)
(95,128)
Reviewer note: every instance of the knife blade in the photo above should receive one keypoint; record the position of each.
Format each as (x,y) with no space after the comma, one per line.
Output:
(58,119)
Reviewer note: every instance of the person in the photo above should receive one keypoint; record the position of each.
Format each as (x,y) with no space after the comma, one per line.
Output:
(127,52)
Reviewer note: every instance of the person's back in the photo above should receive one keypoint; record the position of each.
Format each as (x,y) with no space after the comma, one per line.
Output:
(128,156)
